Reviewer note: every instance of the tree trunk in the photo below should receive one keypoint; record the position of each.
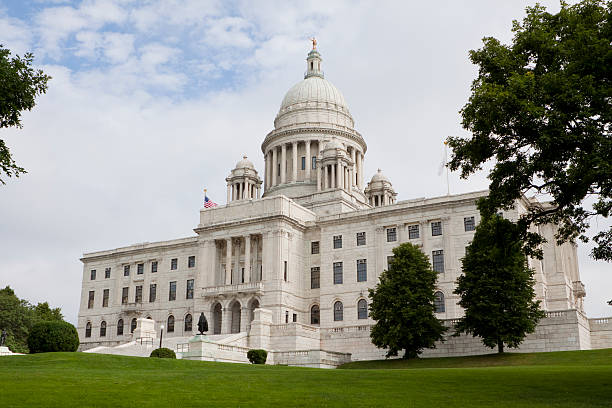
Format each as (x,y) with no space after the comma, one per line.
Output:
(500,346)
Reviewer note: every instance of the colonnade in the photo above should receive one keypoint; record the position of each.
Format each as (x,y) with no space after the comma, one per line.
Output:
(276,167)
(243,190)
(235,264)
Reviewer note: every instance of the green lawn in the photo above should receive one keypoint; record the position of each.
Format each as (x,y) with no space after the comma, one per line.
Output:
(566,379)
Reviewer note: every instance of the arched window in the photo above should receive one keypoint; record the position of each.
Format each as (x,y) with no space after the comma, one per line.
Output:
(103,329)
(338,311)
(315,314)
(88,329)
(217,316)
(253,305)
(362,309)
(188,322)
(439,302)
(133,325)
(120,327)
(170,324)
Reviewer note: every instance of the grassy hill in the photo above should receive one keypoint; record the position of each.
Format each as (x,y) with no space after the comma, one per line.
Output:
(566,379)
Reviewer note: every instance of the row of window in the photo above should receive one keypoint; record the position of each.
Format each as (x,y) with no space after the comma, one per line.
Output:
(362,312)
(188,321)
(138,294)
(140,268)
(303,165)
(413,233)
(362,269)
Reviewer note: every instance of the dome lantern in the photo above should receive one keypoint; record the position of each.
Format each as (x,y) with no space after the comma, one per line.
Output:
(313,62)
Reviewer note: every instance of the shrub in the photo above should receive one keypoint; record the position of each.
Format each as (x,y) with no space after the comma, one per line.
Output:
(163,353)
(51,336)
(257,356)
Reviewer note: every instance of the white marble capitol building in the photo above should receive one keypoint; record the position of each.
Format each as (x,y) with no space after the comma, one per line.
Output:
(286,264)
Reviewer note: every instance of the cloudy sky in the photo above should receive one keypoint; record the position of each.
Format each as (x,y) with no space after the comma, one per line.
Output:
(152,101)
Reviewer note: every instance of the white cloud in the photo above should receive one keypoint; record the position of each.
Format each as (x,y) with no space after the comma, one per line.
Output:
(16,35)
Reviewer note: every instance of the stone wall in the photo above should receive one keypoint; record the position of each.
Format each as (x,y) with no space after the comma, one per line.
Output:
(601,333)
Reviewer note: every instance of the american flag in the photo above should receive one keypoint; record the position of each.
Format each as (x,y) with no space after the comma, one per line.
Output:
(208,203)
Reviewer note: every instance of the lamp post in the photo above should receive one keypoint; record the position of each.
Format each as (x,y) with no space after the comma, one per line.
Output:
(161,336)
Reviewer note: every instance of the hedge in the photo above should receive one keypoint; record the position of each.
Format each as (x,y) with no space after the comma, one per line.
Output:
(51,336)
(257,356)
(163,353)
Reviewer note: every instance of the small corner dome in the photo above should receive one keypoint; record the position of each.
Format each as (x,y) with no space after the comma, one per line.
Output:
(245,163)
(334,144)
(379,176)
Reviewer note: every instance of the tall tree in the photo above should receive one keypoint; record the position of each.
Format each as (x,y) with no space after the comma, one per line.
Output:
(18,316)
(403,304)
(540,109)
(19,86)
(496,287)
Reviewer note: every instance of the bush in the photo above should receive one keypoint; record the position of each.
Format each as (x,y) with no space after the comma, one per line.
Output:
(257,356)
(163,353)
(53,336)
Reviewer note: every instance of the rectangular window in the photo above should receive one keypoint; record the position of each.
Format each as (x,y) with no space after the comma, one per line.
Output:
(337,241)
(361,238)
(337,273)
(315,277)
(189,293)
(105,295)
(124,295)
(413,231)
(303,162)
(436,228)
(126,270)
(362,270)
(314,162)
(92,274)
(389,261)
(152,292)
(391,234)
(314,247)
(153,266)
(437,259)
(285,273)
(294,317)
(469,224)
(172,291)
(173,264)
(107,272)
(90,301)
(138,296)
(191,261)
(140,269)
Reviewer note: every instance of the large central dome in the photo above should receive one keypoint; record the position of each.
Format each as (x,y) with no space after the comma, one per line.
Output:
(313,101)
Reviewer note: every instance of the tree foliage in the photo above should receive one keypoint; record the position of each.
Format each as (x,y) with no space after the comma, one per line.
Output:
(496,287)
(541,109)
(20,84)
(53,336)
(403,304)
(18,316)
(257,356)
(163,353)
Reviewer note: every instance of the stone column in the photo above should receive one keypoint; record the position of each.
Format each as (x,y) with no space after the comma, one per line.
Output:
(228,261)
(237,270)
(333,176)
(325,177)
(229,192)
(274,167)
(258,192)
(318,170)
(360,169)
(266,171)
(308,161)
(340,174)
(247,258)
(283,163)
(294,167)
(353,181)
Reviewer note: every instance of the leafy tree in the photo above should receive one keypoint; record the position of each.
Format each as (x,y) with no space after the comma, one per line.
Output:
(257,356)
(496,287)
(18,316)
(540,109)
(19,86)
(403,304)
(163,353)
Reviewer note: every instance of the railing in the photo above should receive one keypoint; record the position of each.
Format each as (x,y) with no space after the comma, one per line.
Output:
(348,329)
(239,287)
(182,347)
(131,307)
(556,314)
(604,320)
(238,349)
(145,341)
